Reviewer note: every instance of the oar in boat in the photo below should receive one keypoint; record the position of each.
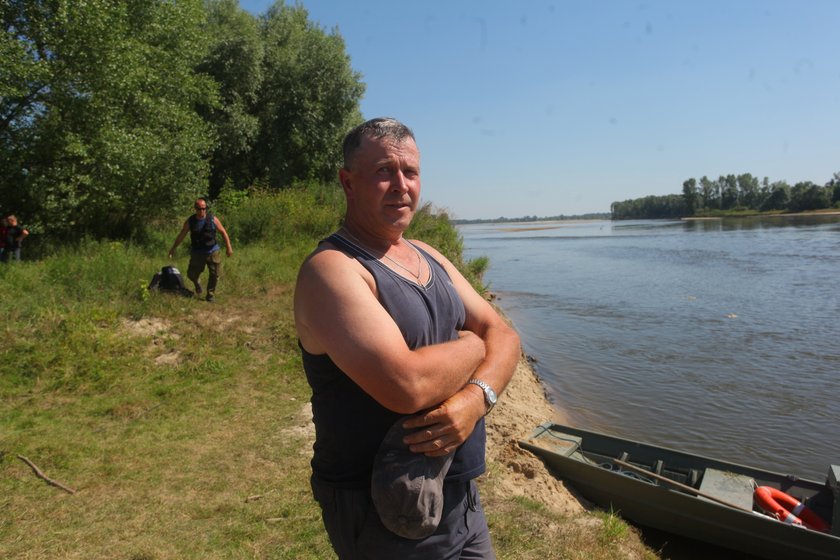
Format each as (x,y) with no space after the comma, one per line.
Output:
(679,485)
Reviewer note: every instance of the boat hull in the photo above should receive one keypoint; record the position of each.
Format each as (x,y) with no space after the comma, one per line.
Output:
(660,505)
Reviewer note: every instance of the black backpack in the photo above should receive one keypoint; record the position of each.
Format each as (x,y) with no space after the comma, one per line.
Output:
(169,279)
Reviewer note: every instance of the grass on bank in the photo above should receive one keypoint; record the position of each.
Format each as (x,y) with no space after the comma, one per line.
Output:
(184,427)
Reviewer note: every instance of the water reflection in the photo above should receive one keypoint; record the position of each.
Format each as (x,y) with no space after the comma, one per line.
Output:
(760,222)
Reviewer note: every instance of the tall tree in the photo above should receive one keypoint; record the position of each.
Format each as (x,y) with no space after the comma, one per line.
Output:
(834,186)
(749,191)
(99,129)
(809,196)
(778,197)
(729,192)
(310,98)
(235,61)
(690,195)
(707,189)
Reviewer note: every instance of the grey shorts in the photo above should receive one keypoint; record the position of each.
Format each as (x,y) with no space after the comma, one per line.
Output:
(356,533)
(198,261)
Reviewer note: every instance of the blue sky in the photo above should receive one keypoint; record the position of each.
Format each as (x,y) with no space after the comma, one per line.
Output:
(560,107)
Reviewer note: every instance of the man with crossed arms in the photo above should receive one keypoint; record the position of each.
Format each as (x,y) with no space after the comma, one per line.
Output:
(388,327)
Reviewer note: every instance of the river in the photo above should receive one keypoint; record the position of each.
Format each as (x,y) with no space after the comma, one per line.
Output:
(716,337)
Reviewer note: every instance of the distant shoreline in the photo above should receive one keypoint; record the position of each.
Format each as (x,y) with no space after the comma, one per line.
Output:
(529,219)
(830,212)
(606,216)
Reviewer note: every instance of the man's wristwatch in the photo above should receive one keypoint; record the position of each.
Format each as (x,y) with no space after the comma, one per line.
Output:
(489,394)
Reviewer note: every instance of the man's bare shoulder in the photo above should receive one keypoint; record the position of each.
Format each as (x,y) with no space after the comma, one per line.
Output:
(325,257)
(330,280)
(329,267)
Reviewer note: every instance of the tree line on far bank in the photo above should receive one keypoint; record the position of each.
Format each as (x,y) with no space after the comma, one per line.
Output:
(116,114)
(534,218)
(731,194)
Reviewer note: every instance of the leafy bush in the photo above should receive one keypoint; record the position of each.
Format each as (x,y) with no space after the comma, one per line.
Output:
(432,225)
(309,210)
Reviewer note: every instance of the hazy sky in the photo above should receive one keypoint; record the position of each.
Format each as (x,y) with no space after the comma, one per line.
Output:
(544,108)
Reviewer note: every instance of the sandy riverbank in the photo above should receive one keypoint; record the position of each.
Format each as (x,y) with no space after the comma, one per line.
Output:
(521,408)
(514,472)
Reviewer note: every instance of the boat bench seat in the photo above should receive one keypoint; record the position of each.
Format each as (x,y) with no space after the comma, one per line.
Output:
(733,488)
(561,444)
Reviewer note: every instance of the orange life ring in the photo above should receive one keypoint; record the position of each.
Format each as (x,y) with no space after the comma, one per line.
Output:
(788,509)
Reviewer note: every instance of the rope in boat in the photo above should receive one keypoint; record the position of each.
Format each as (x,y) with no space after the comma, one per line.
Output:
(609,466)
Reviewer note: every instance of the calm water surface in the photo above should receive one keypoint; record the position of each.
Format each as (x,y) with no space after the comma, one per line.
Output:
(715,337)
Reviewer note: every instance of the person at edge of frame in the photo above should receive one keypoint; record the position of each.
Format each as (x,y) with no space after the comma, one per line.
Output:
(13,236)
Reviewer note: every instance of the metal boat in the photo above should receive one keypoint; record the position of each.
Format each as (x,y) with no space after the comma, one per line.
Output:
(694,496)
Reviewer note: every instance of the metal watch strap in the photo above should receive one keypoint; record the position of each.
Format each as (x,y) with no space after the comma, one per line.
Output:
(489,394)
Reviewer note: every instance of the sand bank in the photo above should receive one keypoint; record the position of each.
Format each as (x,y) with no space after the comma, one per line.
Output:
(521,408)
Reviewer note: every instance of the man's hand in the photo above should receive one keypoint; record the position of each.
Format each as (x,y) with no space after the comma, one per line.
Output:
(447,425)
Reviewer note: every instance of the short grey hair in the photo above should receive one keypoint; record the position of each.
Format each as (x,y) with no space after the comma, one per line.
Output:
(380,127)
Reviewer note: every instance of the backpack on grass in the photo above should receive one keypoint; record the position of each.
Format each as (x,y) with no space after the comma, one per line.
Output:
(169,279)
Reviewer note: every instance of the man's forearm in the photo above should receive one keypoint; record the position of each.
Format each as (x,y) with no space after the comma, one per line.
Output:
(433,373)
(449,424)
(502,354)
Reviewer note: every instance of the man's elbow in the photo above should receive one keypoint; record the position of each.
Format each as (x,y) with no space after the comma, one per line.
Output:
(514,336)
(507,334)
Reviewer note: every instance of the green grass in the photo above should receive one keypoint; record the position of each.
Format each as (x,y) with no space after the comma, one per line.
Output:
(523,529)
(613,528)
(184,427)
(164,413)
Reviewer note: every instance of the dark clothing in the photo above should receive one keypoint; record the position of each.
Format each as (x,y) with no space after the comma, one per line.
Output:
(350,426)
(357,533)
(11,237)
(203,234)
(11,248)
(213,262)
(430,314)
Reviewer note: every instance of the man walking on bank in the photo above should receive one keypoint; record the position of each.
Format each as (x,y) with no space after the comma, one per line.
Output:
(404,359)
(204,249)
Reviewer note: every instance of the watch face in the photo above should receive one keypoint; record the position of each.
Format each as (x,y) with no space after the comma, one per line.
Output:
(489,394)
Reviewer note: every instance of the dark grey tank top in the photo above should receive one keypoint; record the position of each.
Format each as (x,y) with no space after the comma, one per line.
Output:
(349,424)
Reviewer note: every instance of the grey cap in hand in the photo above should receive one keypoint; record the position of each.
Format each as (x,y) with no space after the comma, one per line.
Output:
(407,487)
